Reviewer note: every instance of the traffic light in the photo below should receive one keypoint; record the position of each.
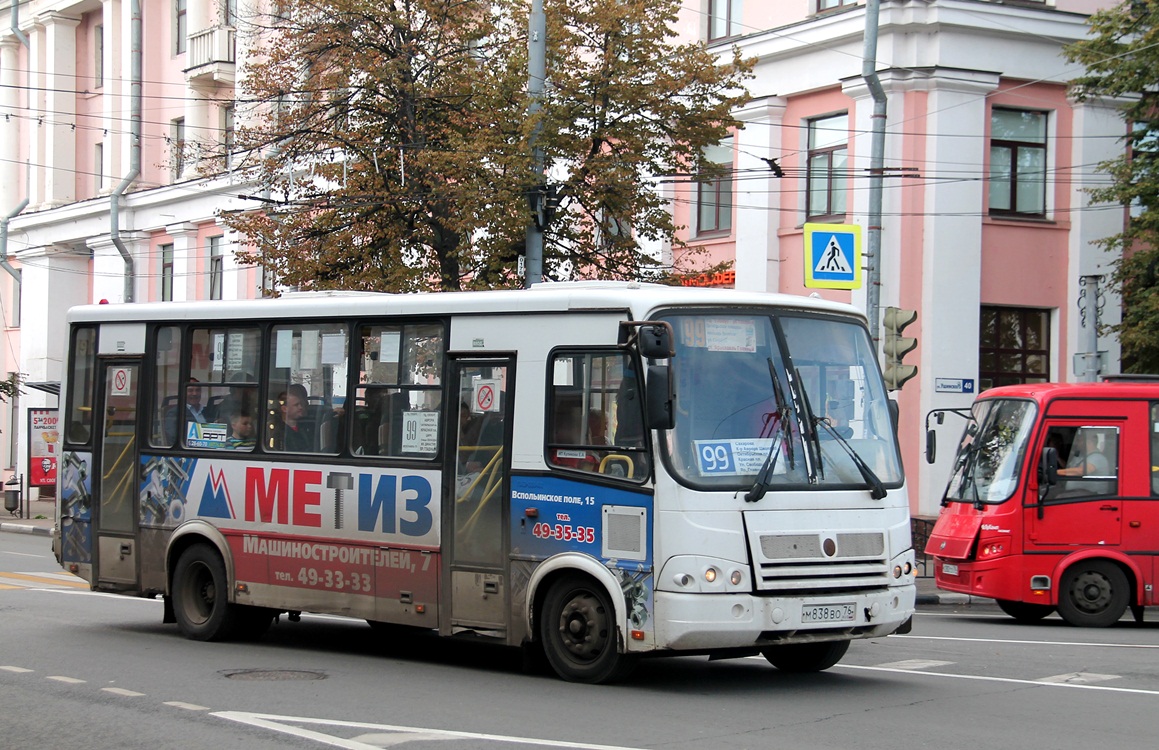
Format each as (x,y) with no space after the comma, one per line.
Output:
(897,346)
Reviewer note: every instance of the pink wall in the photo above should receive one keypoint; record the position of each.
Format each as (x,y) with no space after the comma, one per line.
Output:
(1026,263)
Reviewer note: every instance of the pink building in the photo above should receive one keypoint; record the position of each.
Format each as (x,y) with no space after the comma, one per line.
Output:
(986,231)
(113,175)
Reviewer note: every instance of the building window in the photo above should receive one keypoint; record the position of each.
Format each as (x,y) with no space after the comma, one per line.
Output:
(180,26)
(831,4)
(177,137)
(723,19)
(231,13)
(714,197)
(827,171)
(167,273)
(1017,162)
(98,168)
(216,266)
(98,56)
(1014,346)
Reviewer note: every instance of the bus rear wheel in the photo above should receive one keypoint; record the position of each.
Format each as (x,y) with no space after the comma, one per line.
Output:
(1093,594)
(577,626)
(806,657)
(200,599)
(1024,611)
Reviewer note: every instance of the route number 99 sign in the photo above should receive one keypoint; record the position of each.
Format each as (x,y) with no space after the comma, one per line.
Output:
(739,456)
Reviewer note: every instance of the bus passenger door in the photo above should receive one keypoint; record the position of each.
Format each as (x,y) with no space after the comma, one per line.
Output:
(117,485)
(476,498)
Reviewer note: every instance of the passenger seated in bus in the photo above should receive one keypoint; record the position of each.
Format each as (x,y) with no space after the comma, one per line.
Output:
(566,434)
(291,432)
(241,430)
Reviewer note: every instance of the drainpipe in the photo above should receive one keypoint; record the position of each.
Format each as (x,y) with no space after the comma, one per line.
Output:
(16,23)
(14,273)
(134,152)
(876,167)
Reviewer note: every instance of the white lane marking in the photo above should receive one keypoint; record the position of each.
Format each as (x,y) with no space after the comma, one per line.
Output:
(122,691)
(69,680)
(1079,678)
(19,554)
(78,592)
(916,664)
(17,670)
(1007,680)
(384,740)
(186,706)
(1026,643)
(274,722)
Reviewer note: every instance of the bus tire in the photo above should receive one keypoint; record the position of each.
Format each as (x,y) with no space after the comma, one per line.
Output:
(200,596)
(806,657)
(1093,594)
(1025,612)
(577,626)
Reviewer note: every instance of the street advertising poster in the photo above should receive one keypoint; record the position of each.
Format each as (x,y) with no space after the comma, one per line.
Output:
(43,444)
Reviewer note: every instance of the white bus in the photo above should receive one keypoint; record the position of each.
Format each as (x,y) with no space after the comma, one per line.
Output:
(604,471)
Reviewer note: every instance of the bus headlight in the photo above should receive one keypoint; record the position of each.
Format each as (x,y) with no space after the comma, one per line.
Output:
(710,575)
(735,577)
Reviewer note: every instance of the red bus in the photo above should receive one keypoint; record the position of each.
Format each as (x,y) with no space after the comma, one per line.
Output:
(1053,501)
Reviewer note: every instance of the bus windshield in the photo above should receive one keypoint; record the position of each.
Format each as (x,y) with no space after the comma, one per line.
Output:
(791,400)
(989,458)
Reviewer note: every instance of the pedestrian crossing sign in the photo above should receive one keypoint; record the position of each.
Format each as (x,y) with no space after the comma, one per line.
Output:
(832,256)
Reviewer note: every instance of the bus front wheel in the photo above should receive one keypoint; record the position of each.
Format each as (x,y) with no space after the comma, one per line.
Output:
(577,626)
(200,602)
(806,657)
(1025,612)
(1093,594)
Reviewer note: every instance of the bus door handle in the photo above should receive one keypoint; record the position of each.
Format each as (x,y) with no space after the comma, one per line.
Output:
(1108,507)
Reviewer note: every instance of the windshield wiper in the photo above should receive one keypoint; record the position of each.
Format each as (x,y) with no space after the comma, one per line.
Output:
(781,416)
(812,442)
(876,488)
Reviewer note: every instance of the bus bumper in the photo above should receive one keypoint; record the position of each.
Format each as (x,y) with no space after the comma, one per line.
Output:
(695,622)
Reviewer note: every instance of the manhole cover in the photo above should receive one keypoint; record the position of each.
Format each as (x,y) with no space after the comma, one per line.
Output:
(272,675)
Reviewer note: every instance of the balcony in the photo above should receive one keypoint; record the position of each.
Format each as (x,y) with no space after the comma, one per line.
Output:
(212,56)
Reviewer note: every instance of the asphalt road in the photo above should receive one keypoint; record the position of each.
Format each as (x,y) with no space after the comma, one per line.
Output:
(87,670)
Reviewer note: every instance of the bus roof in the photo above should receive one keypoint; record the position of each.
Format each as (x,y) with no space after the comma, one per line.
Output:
(1118,387)
(638,298)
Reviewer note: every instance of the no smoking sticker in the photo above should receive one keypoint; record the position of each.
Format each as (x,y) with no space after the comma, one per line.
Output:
(486,396)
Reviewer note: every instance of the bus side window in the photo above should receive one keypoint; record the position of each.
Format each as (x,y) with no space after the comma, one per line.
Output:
(1155,449)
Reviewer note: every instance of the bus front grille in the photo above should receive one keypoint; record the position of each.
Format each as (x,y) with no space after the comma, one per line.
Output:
(821,561)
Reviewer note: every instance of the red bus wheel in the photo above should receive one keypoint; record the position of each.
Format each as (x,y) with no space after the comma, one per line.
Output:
(1093,594)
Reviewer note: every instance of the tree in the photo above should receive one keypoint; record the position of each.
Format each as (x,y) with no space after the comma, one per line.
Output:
(392,141)
(1121,58)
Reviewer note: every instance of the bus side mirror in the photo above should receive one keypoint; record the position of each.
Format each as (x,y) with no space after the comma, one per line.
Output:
(931,446)
(1047,471)
(655,340)
(661,414)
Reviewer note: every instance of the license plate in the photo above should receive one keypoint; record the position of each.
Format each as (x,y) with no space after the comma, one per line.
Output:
(949,569)
(844,612)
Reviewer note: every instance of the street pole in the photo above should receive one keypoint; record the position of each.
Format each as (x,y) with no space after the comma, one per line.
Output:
(876,169)
(1089,372)
(537,72)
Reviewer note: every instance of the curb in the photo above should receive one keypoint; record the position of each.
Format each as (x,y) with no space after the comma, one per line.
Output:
(948,598)
(25,528)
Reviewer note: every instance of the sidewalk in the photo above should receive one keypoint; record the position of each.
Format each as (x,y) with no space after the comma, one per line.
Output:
(41,526)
